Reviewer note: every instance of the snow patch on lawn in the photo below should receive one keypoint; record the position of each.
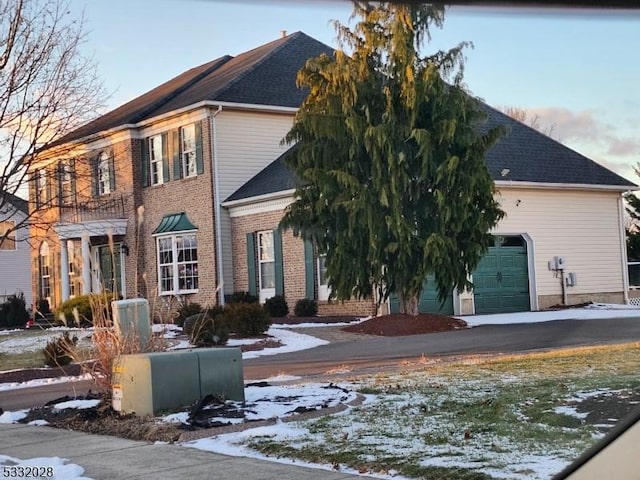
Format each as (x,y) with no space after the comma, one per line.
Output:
(292,342)
(43,381)
(77,404)
(13,417)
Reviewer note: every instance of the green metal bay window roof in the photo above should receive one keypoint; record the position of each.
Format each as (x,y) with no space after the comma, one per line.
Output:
(174,222)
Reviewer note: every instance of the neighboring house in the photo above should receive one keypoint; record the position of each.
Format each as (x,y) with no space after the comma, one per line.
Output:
(15,256)
(178,194)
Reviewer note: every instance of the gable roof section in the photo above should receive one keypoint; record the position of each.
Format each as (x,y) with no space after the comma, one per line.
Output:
(18,203)
(265,75)
(523,155)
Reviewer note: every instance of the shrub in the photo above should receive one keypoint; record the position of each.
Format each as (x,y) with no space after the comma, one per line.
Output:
(306,308)
(43,306)
(208,328)
(276,306)
(60,351)
(13,312)
(187,310)
(246,319)
(241,297)
(82,305)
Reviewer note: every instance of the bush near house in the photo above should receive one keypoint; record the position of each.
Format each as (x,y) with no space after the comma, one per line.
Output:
(77,311)
(207,328)
(186,311)
(306,308)
(13,312)
(241,297)
(276,306)
(246,319)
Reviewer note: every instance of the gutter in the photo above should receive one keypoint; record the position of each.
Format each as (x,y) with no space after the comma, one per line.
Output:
(569,186)
(623,250)
(216,206)
(259,198)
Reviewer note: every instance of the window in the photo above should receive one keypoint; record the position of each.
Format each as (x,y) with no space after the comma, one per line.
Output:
(104,177)
(178,263)
(42,189)
(74,257)
(7,235)
(266,266)
(323,288)
(66,184)
(45,272)
(188,150)
(155,160)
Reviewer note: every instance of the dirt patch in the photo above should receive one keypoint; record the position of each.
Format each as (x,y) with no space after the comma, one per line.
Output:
(608,408)
(17,376)
(399,324)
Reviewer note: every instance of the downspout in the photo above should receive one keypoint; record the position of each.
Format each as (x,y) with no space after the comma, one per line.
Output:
(623,249)
(216,200)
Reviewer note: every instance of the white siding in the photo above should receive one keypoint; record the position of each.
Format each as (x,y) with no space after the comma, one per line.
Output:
(15,265)
(581,226)
(246,143)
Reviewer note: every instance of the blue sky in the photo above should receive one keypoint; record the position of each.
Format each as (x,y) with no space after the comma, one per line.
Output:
(577,70)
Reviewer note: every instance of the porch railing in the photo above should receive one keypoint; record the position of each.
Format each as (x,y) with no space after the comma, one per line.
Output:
(94,209)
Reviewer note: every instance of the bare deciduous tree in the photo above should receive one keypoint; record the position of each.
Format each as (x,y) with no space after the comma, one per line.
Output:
(532,120)
(48,87)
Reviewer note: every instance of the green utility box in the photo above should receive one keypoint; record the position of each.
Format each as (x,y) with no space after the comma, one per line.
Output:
(149,383)
(131,320)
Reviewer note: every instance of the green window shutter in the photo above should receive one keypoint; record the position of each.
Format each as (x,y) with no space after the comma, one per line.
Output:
(94,176)
(309,274)
(144,162)
(165,158)
(112,172)
(49,176)
(277,252)
(251,262)
(199,159)
(175,147)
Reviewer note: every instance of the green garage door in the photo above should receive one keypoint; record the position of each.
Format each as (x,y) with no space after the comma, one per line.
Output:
(502,278)
(428,301)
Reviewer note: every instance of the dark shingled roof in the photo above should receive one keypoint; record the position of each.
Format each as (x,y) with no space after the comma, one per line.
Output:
(17,202)
(524,155)
(263,76)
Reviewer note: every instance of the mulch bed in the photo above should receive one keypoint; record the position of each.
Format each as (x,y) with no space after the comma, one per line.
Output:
(399,324)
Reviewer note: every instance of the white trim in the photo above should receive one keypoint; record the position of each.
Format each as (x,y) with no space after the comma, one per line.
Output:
(623,251)
(556,186)
(324,291)
(176,232)
(273,204)
(174,263)
(67,231)
(216,204)
(265,293)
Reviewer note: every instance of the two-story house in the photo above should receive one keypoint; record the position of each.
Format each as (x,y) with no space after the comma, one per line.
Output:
(178,194)
(15,256)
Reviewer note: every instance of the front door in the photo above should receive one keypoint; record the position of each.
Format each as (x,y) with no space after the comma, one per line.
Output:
(108,276)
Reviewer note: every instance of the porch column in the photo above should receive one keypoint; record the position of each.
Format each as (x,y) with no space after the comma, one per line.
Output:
(86,265)
(64,270)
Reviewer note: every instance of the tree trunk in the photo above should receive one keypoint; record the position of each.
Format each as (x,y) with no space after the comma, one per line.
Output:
(408,305)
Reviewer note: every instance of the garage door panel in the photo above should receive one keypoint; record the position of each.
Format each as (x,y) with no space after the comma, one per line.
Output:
(501,279)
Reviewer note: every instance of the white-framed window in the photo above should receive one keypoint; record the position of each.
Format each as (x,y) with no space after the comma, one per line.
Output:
(177,263)
(75,278)
(156,176)
(45,272)
(323,287)
(104,174)
(66,186)
(266,265)
(188,150)
(7,235)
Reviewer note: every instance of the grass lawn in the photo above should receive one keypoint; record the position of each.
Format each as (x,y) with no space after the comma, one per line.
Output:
(520,417)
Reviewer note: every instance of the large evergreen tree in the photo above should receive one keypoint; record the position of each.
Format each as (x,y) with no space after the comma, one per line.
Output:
(633,231)
(389,149)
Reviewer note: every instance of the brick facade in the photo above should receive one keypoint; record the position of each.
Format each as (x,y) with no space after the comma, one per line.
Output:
(292,263)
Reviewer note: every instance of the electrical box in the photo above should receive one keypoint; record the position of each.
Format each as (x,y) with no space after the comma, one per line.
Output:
(571,279)
(560,263)
(131,320)
(150,383)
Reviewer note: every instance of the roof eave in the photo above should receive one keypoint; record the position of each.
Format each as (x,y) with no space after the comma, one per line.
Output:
(259,198)
(569,186)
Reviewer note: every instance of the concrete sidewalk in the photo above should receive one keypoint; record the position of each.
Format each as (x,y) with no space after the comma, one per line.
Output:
(111,458)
